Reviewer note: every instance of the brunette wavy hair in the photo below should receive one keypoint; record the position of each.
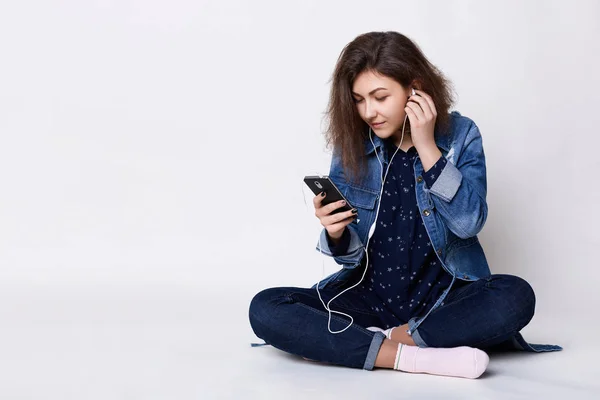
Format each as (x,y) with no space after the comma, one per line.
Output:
(390,54)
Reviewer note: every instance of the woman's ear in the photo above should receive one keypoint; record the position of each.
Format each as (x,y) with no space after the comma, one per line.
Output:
(415,84)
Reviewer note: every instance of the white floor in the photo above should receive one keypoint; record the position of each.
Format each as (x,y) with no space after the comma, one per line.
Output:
(168,342)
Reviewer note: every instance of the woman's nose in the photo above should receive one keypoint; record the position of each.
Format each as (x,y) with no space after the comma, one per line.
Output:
(369,111)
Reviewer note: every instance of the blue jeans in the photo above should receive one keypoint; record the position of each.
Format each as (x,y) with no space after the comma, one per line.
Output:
(482,314)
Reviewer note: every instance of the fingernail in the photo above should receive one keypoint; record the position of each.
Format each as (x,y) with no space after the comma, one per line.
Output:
(322,194)
(343,202)
(354,211)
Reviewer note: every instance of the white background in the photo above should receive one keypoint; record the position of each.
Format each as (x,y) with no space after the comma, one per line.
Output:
(151,164)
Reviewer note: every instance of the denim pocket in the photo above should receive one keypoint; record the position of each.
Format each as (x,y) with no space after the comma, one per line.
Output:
(361,197)
(459,243)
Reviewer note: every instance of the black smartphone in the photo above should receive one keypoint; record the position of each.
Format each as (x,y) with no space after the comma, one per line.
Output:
(320,184)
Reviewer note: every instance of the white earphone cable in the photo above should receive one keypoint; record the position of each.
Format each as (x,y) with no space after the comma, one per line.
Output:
(371,231)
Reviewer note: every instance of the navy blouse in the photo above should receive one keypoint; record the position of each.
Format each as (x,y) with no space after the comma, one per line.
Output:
(404,276)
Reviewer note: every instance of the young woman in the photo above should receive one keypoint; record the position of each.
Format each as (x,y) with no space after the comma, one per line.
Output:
(415,282)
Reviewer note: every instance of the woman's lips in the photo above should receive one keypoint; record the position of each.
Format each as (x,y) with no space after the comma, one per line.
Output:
(378,125)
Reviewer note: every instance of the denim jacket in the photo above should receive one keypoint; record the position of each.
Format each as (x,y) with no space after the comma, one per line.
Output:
(453,210)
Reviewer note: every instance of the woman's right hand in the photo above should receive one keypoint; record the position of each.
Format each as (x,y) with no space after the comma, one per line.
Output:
(333,223)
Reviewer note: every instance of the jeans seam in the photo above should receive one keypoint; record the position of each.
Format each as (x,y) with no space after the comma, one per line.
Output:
(289,294)
(515,329)
(335,317)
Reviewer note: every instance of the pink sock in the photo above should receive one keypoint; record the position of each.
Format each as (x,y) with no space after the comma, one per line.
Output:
(463,361)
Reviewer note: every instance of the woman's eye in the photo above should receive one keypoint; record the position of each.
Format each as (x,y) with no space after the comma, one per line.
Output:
(378,99)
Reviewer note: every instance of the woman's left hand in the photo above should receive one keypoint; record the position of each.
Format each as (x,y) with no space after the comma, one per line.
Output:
(422,114)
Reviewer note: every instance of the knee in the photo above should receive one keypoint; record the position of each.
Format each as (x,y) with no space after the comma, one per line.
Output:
(258,304)
(522,298)
(262,307)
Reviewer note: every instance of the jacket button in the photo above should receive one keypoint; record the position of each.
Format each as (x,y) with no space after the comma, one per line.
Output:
(426,213)
(419,179)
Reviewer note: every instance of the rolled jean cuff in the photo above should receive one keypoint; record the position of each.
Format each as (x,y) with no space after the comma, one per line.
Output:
(415,335)
(373,351)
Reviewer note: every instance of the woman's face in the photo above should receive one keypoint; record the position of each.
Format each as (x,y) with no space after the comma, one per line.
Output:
(380,99)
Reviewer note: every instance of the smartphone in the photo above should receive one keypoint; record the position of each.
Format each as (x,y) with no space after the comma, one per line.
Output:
(332,194)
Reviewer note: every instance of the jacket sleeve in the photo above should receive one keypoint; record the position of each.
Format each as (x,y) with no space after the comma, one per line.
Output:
(459,192)
(343,244)
(351,255)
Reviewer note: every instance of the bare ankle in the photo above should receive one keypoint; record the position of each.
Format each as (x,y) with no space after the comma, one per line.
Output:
(387,354)
(399,335)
